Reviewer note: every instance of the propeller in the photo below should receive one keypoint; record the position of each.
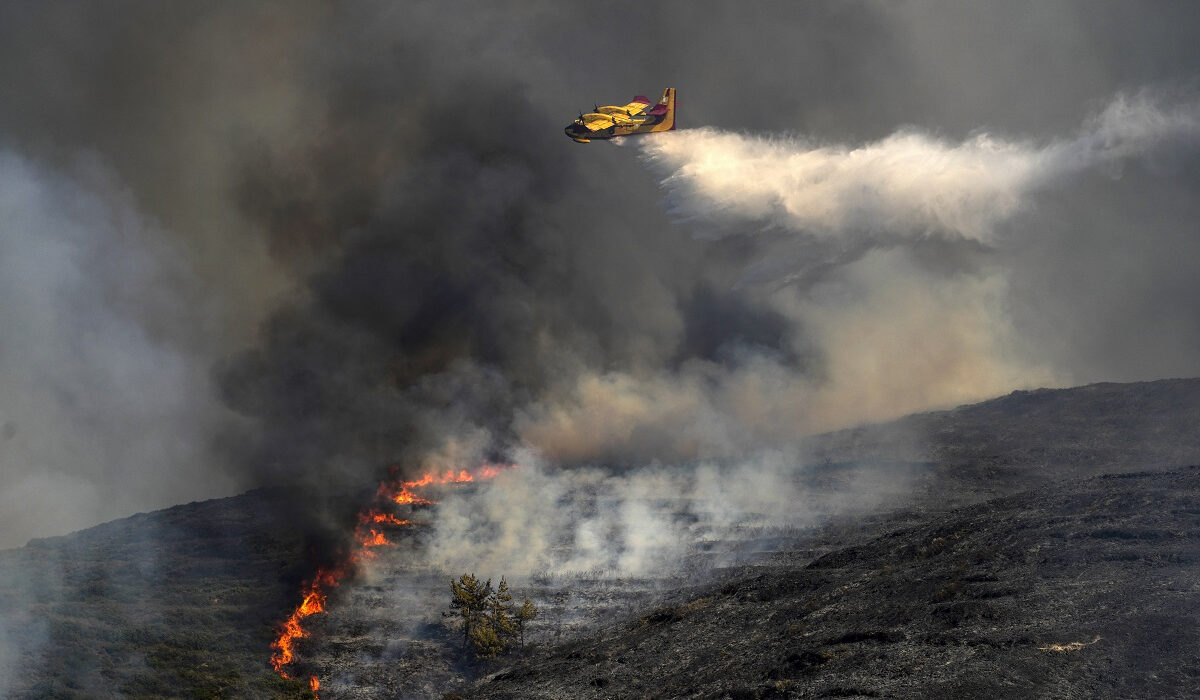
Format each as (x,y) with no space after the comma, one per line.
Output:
(595,107)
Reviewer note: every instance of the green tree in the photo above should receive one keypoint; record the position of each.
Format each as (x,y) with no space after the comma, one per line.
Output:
(501,609)
(470,599)
(486,642)
(490,625)
(527,612)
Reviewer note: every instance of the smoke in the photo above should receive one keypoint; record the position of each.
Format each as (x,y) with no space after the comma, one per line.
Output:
(907,185)
(100,386)
(474,307)
(898,251)
(23,633)
(642,523)
(360,226)
(578,522)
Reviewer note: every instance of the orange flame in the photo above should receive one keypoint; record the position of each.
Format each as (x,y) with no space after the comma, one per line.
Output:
(376,539)
(314,602)
(407,497)
(366,538)
(405,492)
(387,519)
(491,471)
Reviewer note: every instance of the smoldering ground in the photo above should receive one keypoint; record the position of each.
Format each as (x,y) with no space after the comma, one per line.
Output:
(590,546)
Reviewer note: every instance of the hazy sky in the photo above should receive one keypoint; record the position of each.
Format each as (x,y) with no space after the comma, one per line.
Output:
(260,243)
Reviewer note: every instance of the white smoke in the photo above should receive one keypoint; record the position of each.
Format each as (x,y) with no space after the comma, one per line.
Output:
(598,522)
(909,184)
(102,402)
(853,228)
(893,339)
(894,334)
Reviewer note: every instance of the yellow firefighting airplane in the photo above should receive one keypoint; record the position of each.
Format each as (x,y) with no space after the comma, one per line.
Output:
(611,121)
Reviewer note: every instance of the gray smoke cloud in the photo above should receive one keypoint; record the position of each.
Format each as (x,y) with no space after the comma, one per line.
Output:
(848,226)
(100,387)
(534,519)
(531,520)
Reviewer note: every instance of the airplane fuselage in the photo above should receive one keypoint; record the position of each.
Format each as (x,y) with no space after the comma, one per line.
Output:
(581,133)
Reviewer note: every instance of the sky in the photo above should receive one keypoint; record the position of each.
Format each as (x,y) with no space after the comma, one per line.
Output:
(291,244)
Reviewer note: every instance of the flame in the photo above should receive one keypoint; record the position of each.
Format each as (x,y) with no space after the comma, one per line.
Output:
(366,538)
(490,471)
(314,602)
(376,539)
(405,492)
(407,497)
(387,519)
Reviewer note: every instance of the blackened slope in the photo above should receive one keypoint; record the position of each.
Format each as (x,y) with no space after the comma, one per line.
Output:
(1014,442)
(182,602)
(967,604)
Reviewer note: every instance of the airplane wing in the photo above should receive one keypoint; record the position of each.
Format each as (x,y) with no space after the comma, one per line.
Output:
(633,109)
(639,105)
(594,121)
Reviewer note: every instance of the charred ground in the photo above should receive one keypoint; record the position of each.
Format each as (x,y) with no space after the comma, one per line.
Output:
(1006,540)
(1086,589)
(176,603)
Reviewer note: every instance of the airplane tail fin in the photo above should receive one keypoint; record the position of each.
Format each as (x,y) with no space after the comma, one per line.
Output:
(668,101)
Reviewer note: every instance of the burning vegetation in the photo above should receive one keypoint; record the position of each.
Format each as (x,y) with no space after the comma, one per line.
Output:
(370,533)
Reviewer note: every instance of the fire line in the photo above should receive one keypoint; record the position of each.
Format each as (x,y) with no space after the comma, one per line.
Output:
(367,535)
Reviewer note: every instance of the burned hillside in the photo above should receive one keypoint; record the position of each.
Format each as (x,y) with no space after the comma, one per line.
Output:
(187,600)
(1082,589)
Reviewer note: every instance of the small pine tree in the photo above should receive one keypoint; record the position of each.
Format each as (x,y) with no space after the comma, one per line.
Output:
(490,625)
(527,612)
(469,599)
(501,613)
(486,642)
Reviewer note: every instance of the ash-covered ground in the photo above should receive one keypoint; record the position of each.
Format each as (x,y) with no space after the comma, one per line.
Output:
(1042,544)
(392,631)
(1085,589)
